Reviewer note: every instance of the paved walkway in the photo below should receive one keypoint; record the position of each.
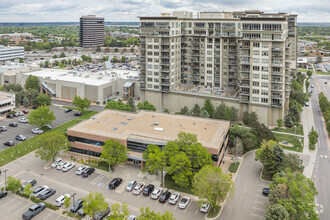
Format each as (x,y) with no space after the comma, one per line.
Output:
(280,132)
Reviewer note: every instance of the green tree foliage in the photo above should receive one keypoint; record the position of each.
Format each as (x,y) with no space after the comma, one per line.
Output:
(180,169)
(55,56)
(208,106)
(205,114)
(212,184)
(279,123)
(293,162)
(184,111)
(276,212)
(147,214)
(196,111)
(114,153)
(266,156)
(324,104)
(98,49)
(309,73)
(155,160)
(81,103)
(248,139)
(43,99)
(86,58)
(118,105)
(226,113)
(67,202)
(132,104)
(12,87)
(119,212)
(238,146)
(13,184)
(41,64)
(32,82)
(250,119)
(46,63)
(288,121)
(32,95)
(41,116)
(94,203)
(146,105)
(123,59)
(26,102)
(52,145)
(262,132)
(27,189)
(312,136)
(62,55)
(319,59)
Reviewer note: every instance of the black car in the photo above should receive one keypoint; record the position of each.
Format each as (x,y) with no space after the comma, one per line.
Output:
(10,116)
(115,182)
(35,106)
(3,194)
(78,114)
(46,194)
(164,197)
(101,215)
(13,124)
(87,172)
(68,110)
(148,189)
(32,182)
(76,206)
(265,191)
(9,143)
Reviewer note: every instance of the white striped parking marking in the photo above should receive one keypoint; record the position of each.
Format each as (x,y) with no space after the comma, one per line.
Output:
(8,202)
(259,209)
(187,208)
(23,208)
(48,216)
(259,202)
(14,206)
(98,178)
(258,216)
(196,211)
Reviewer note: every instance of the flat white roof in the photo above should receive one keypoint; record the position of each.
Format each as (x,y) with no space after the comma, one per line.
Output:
(86,77)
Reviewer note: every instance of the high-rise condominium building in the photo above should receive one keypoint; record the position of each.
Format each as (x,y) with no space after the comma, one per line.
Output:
(91,31)
(247,57)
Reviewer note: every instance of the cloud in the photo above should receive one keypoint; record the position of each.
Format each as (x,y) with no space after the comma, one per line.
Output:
(129,10)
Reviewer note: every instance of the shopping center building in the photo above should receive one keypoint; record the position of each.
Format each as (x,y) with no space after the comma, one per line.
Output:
(137,130)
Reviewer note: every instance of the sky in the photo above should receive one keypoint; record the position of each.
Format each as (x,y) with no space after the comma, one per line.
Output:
(129,10)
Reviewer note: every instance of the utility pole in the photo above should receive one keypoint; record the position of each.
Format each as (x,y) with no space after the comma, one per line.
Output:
(73,197)
(5,171)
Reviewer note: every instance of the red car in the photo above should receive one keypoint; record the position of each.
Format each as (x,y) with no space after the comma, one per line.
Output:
(25,111)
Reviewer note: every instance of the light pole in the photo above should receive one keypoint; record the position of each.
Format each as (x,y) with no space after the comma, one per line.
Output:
(295,127)
(164,173)
(5,171)
(73,197)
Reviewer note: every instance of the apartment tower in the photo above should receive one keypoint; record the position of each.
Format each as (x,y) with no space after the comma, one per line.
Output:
(91,31)
(241,58)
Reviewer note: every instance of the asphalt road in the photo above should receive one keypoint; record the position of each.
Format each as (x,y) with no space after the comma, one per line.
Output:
(321,174)
(65,103)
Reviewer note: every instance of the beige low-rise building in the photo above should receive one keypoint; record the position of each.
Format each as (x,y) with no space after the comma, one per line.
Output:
(7,102)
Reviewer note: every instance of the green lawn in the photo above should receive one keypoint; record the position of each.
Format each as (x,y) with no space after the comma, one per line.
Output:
(169,183)
(299,130)
(292,140)
(233,167)
(320,73)
(214,212)
(23,148)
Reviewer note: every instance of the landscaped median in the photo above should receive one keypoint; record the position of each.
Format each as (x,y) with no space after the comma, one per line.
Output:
(23,148)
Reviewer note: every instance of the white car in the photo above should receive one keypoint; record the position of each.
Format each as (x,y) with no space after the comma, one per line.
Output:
(131,185)
(61,165)
(60,200)
(132,217)
(174,198)
(20,113)
(68,167)
(138,188)
(56,162)
(39,190)
(184,202)
(205,207)
(156,193)
(23,120)
(37,131)
(81,169)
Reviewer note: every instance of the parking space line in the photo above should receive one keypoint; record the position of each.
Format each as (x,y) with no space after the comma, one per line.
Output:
(15,206)
(187,207)
(261,196)
(259,202)
(21,209)
(258,216)
(58,217)
(48,216)
(259,209)
(96,179)
(196,211)
(8,202)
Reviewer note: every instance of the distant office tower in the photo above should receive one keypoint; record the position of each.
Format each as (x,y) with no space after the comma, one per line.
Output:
(91,31)
(245,56)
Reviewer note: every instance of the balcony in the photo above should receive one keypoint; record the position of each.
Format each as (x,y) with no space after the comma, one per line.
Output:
(245,62)
(277,88)
(245,70)
(277,73)
(165,57)
(277,48)
(246,85)
(277,64)
(165,70)
(195,54)
(276,103)
(276,96)
(244,99)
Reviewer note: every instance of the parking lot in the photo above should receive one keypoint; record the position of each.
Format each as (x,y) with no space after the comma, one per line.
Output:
(29,167)
(25,129)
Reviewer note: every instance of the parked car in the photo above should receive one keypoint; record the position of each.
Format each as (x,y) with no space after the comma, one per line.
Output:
(148,189)
(33,182)
(306,104)
(205,207)
(138,188)
(23,120)
(184,202)
(131,185)
(33,211)
(46,127)
(68,167)
(68,110)
(46,194)
(88,172)
(76,206)
(165,196)
(9,116)
(3,194)
(13,124)
(56,162)
(101,215)
(37,131)
(16,114)
(132,217)
(115,182)
(60,200)
(174,198)
(39,190)
(20,113)
(81,212)
(156,193)
(20,137)
(265,191)
(3,128)
(9,143)
(25,111)
(81,169)
(61,165)
(78,114)
(35,106)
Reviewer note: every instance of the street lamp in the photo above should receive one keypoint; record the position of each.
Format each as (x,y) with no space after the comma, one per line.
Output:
(73,197)
(5,171)
(164,173)
(295,129)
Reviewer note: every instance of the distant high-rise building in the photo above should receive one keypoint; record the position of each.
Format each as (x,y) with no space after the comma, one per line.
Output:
(91,31)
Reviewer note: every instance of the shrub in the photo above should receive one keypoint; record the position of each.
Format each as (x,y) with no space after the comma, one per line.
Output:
(82,161)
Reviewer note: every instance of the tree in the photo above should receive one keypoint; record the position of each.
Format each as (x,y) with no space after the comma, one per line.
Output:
(113,153)
(288,121)
(248,138)
(234,113)
(123,59)
(208,107)
(238,145)
(155,160)
(319,59)
(67,202)
(293,162)
(116,50)
(205,114)
(184,111)
(196,111)
(41,64)
(55,56)
(26,102)
(147,214)
(94,203)
(132,104)
(80,103)
(52,145)
(62,55)
(276,212)
(27,189)
(267,157)
(279,123)
(32,95)
(312,136)
(13,184)
(146,105)
(41,116)
(309,73)
(262,132)
(43,99)
(32,82)
(118,106)
(98,49)
(307,84)
(250,119)
(212,184)
(119,212)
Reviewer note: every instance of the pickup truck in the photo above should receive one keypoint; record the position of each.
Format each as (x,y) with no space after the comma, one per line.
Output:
(33,211)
